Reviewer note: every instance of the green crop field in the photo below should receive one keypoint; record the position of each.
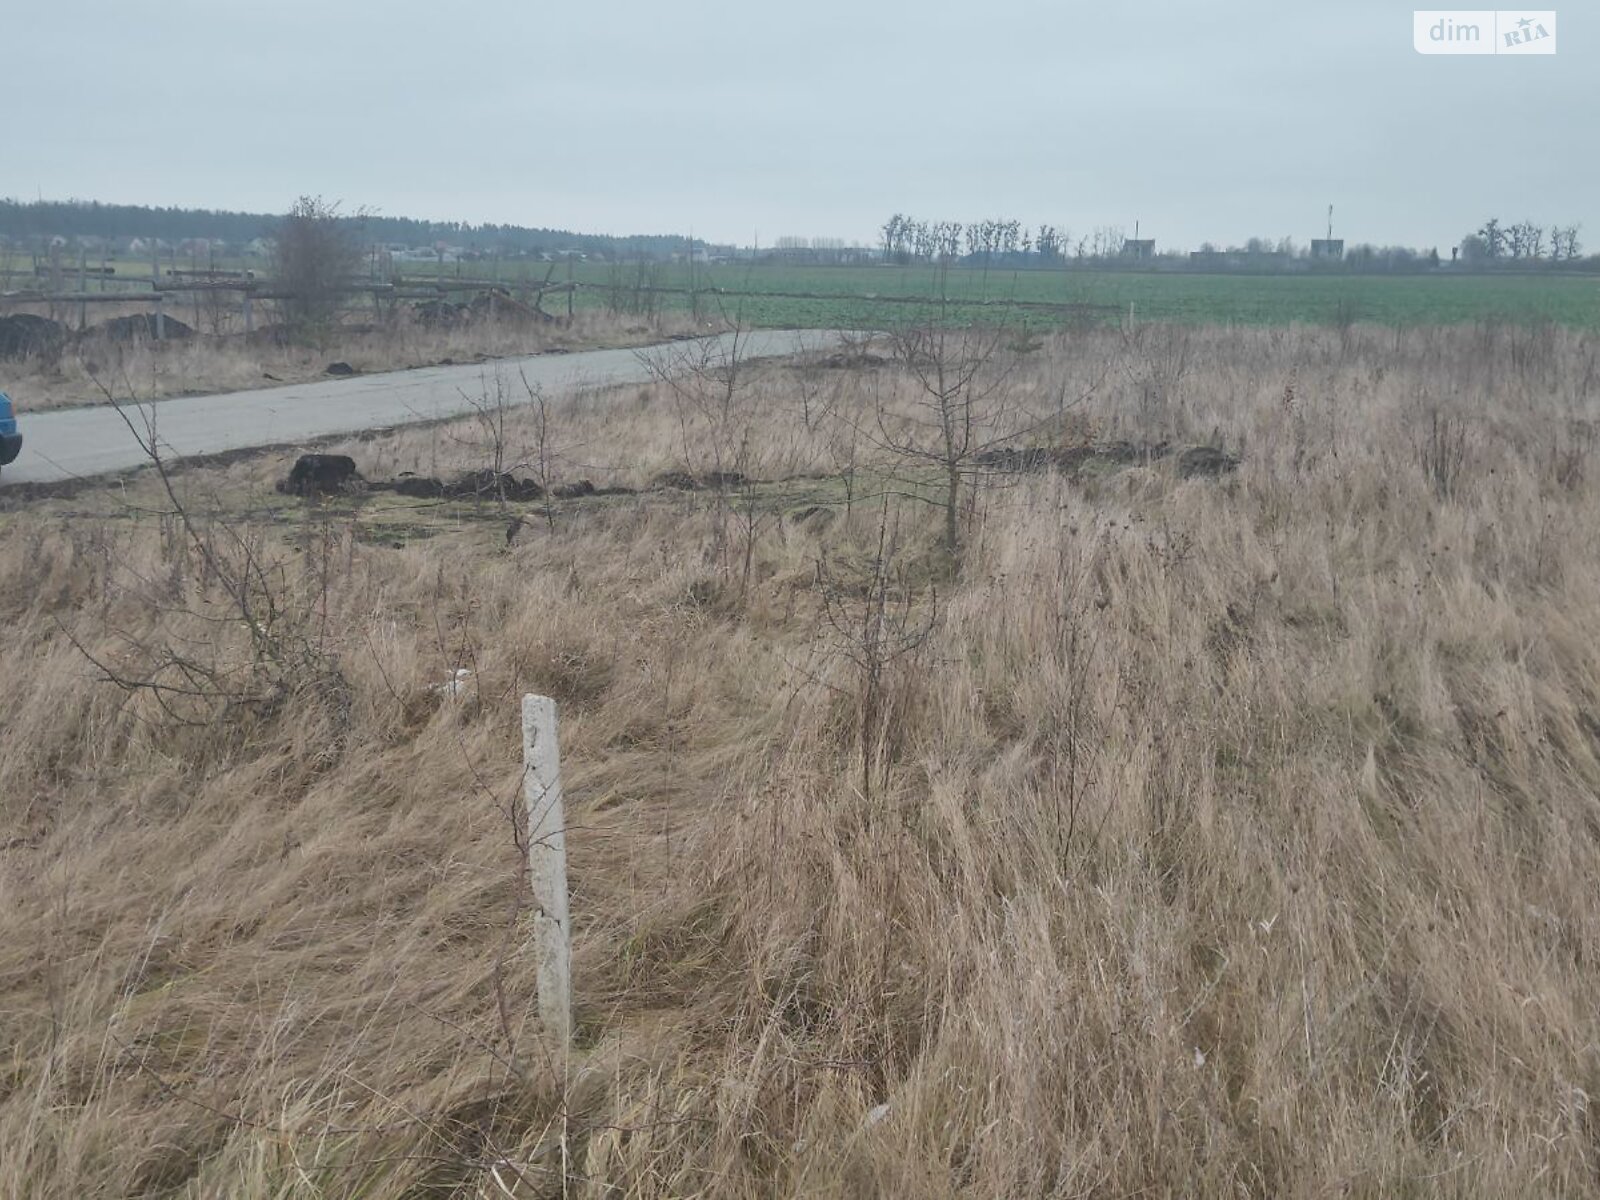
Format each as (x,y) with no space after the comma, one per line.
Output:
(769,294)
(866,296)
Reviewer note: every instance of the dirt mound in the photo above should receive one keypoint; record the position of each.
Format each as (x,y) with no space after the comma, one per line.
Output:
(141,327)
(339,369)
(23,335)
(847,361)
(1196,461)
(486,485)
(1207,461)
(321,475)
(499,305)
(439,314)
(682,481)
(495,304)
(473,485)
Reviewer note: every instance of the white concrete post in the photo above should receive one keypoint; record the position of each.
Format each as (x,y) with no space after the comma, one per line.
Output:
(547,867)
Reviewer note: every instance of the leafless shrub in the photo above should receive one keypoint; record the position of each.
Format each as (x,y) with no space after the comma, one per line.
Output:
(1156,360)
(878,619)
(1441,450)
(714,426)
(543,457)
(279,604)
(315,255)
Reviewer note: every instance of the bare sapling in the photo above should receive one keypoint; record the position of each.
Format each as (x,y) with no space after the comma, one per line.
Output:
(877,619)
(542,460)
(715,423)
(962,410)
(282,608)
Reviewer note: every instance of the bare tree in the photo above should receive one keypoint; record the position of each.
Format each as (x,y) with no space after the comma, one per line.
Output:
(1564,244)
(317,250)
(1494,237)
(1526,240)
(959,411)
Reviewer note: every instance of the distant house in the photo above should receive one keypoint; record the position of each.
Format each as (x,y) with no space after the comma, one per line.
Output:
(1327,249)
(260,247)
(1138,248)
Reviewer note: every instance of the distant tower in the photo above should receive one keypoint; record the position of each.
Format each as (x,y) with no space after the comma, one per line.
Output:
(1328,248)
(1137,247)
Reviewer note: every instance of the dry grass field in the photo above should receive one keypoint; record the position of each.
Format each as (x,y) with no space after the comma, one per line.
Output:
(1178,834)
(205,364)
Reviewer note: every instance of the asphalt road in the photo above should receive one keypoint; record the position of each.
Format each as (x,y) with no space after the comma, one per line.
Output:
(85,442)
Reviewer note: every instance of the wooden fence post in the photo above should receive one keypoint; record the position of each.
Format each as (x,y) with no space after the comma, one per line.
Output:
(547,867)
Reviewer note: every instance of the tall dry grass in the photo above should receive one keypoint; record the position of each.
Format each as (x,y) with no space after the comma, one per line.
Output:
(1229,836)
(231,362)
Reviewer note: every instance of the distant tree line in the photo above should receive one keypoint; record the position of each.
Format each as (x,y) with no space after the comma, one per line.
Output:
(905,239)
(29,221)
(1524,241)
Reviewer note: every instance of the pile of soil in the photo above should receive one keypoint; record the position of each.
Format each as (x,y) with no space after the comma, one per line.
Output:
(495,304)
(845,361)
(1193,462)
(499,305)
(1206,460)
(439,314)
(486,485)
(321,475)
(474,485)
(23,335)
(682,481)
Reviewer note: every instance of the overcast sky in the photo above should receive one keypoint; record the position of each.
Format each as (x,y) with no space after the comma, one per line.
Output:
(1214,121)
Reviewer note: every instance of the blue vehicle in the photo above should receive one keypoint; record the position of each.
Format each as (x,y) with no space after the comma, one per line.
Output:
(10,439)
